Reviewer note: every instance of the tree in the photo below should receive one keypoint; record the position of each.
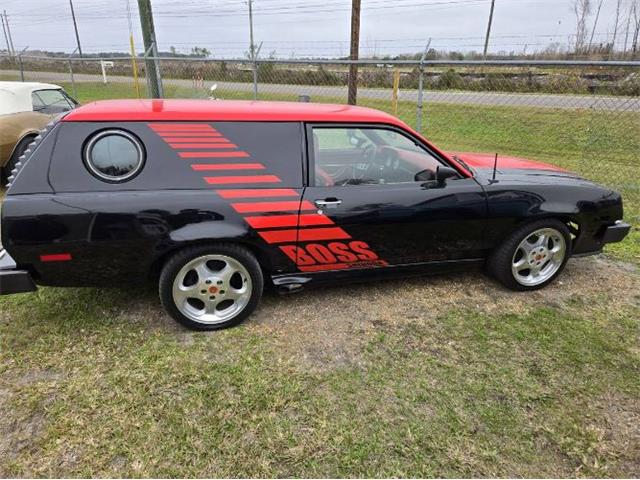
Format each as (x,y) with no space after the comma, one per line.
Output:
(582,10)
(615,27)
(595,24)
(635,11)
(200,52)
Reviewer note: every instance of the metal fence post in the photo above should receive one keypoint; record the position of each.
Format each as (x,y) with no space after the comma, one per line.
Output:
(21,68)
(419,107)
(420,85)
(73,82)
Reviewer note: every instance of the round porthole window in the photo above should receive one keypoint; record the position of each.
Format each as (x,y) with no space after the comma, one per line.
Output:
(114,156)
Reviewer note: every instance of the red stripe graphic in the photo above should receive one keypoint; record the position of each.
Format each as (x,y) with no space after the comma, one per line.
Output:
(272,206)
(279,236)
(212,154)
(227,166)
(198,134)
(203,145)
(206,139)
(181,127)
(242,179)
(275,221)
(310,234)
(308,219)
(56,257)
(258,192)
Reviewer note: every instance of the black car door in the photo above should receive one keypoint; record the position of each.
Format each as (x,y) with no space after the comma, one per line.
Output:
(363,178)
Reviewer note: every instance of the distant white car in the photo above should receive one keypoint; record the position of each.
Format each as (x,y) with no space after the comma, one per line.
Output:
(25,108)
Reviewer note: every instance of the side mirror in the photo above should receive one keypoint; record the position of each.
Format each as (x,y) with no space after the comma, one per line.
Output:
(425,176)
(443,173)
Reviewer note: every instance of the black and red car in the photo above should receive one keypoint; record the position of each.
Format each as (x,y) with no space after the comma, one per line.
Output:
(213,200)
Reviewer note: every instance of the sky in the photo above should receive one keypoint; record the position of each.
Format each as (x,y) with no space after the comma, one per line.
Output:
(302,28)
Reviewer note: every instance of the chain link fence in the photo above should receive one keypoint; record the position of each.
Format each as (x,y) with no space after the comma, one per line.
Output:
(578,115)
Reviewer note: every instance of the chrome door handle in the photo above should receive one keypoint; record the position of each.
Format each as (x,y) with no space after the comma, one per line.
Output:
(328,203)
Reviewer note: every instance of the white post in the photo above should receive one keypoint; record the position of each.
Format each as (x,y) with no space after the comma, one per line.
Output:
(104,72)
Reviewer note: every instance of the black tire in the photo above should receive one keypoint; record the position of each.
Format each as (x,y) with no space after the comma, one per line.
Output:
(173,266)
(500,260)
(15,156)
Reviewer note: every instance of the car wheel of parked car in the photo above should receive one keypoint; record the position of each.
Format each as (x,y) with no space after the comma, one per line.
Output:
(210,287)
(15,157)
(533,256)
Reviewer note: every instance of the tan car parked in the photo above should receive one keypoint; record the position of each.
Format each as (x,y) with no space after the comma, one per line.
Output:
(25,108)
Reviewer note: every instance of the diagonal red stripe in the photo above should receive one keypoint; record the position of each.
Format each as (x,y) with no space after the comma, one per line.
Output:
(212,154)
(199,134)
(279,236)
(257,192)
(195,140)
(275,221)
(310,234)
(242,179)
(202,145)
(227,166)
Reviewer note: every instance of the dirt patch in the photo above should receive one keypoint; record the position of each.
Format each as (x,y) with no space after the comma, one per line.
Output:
(622,433)
(327,328)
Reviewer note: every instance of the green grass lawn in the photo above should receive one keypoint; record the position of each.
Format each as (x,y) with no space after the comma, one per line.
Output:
(448,376)
(441,377)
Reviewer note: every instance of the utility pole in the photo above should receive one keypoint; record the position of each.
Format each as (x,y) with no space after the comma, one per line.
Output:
(486,40)
(6,39)
(75,27)
(252,52)
(154,80)
(355,43)
(6,21)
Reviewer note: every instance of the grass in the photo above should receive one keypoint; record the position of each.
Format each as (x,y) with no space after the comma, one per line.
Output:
(459,394)
(450,377)
(463,393)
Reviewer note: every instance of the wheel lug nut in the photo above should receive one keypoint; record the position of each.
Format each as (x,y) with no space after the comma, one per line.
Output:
(203,291)
(222,292)
(219,282)
(212,297)
(208,282)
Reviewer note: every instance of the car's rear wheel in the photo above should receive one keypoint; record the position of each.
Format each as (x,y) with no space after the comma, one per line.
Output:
(15,156)
(533,256)
(211,287)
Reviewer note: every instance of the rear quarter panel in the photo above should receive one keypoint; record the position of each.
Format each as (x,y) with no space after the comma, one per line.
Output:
(120,233)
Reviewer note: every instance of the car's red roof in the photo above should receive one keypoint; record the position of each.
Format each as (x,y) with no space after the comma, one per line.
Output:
(223,110)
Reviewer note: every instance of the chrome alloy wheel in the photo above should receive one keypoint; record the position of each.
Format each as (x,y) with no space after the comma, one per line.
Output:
(212,289)
(538,257)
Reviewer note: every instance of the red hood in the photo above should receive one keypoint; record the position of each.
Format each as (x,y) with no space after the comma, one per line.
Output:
(485,160)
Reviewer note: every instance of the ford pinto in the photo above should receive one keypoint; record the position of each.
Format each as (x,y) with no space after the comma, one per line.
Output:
(215,201)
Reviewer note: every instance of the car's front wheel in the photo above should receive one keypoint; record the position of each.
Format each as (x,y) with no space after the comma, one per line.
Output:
(211,287)
(533,256)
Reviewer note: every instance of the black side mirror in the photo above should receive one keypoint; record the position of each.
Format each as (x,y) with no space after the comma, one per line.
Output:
(442,173)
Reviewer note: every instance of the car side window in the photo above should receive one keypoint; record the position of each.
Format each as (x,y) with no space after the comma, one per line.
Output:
(50,102)
(368,156)
(114,156)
